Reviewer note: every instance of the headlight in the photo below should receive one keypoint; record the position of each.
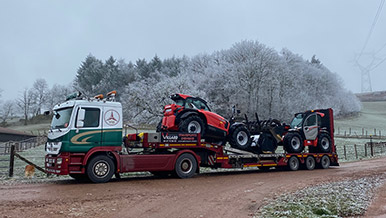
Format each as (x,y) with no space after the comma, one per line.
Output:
(59,161)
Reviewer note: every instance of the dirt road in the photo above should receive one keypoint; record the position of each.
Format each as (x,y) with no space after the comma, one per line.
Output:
(236,194)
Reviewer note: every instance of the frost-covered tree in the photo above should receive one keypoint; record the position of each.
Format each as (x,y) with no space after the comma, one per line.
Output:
(89,75)
(40,93)
(6,111)
(25,102)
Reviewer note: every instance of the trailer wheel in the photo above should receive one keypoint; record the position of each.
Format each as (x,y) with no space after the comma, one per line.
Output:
(240,138)
(186,166)
(293,163)
(310,163)
(192,124)
(293,142)
(324,143)
(79,177)
(100,169)
(325,162)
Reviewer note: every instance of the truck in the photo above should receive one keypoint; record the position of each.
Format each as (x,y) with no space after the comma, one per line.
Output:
(86,142)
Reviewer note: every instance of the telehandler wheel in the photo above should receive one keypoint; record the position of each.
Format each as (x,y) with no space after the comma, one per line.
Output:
(293,163)
(325,162)
(293,142)
(100,169)
(324,143)
(186,166)
(310,163)
(192,124)
(240,138)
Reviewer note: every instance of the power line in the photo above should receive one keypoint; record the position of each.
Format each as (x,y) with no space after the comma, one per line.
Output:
(372,27)
(379,63)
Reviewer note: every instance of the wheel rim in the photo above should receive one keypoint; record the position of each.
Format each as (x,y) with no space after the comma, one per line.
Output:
(295,143)
(242,138)
(325,143)
(293,163)
(186,165)
(310,163)
(325,161)
(194,127)
(101,169)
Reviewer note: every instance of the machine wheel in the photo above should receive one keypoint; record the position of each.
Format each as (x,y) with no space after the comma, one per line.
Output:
(310,163)
(293,163)
(100,169)
(324,143)
(192,124)
(325,162)
(186,166)
(79,177)
(293,142)
(240,138)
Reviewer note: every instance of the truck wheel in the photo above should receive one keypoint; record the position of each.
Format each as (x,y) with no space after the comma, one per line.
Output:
(293,163)
(100,169)
(325,162)
(79,177)
(186,166)
(310,163)
(240,138)
(324,143)
(192,124)
(293,142)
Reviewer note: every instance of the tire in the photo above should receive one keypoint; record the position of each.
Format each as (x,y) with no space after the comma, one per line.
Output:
(80,177)
(240,138)
(310,163)
(192,124)
(186,166)
(293,142)
(100,169)
(293,163)
(324,143)
(325,162)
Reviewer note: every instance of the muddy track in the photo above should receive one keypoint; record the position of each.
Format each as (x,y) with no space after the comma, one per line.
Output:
(231,194)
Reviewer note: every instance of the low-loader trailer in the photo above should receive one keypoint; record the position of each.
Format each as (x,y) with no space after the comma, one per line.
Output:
(85,142)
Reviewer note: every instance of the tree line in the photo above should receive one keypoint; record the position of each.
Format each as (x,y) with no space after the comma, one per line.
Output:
(250,75)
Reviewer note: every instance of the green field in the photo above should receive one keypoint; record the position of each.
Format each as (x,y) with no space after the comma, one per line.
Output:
(372,116)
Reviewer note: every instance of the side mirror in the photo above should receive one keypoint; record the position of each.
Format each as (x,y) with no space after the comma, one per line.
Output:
(46,113)
(80,119)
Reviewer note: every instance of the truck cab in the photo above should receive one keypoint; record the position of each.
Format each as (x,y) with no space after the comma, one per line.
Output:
(81,125)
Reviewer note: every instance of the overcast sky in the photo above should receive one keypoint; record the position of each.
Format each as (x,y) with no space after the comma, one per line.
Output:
(49,39)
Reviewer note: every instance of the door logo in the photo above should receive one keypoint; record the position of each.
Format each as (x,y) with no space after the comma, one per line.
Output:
(111,117)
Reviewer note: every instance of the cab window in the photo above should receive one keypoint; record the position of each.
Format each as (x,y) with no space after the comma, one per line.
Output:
(200,105)
(311,121)
(91,118)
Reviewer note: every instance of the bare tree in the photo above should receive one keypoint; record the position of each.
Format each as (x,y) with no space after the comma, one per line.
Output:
(25,102)
(40,92)
(6,111)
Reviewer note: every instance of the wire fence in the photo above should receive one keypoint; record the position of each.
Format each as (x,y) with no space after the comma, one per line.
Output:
(361,151)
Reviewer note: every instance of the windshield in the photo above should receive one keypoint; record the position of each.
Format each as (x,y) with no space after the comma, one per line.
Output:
(61,118)
(297,121)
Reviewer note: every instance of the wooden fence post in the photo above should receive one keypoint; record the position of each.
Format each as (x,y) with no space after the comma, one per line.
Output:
(375,131)
(344,150)
(371,147)
(356,152)
(363,131)
(11,160)
(349,131)
(366,150)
